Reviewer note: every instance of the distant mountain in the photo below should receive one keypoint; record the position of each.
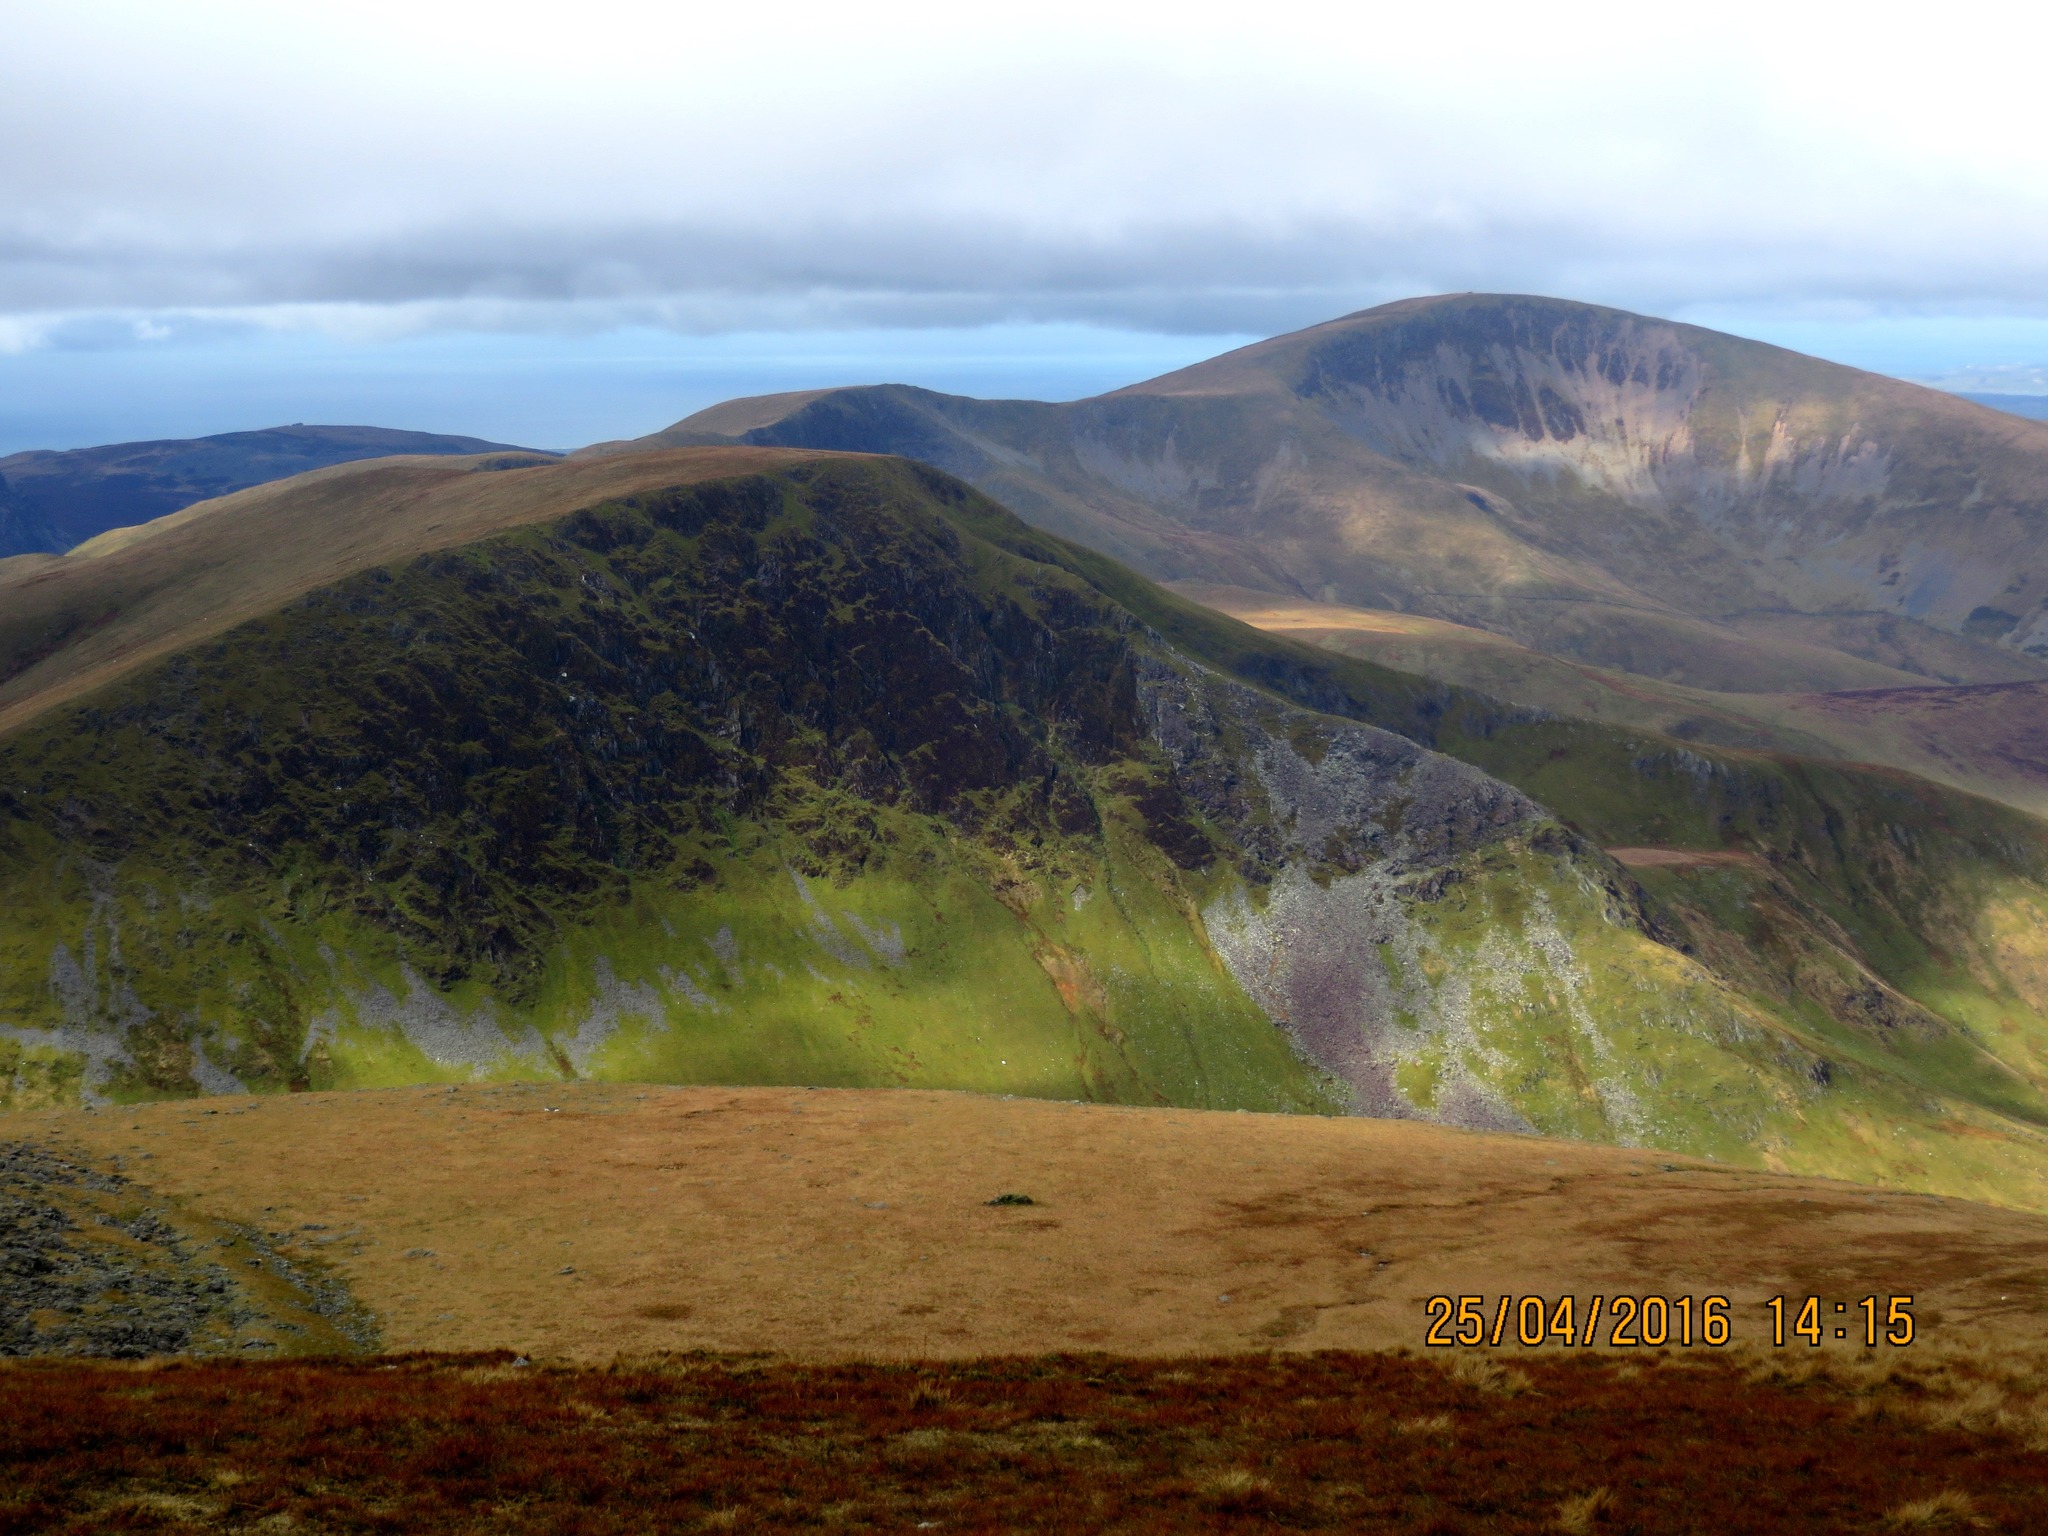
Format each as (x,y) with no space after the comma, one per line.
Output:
(2034,407)
(51,501)
(748,764)
(1604,487)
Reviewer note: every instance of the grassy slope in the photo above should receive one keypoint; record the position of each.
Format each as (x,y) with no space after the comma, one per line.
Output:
(376,822)
(798,1222)
(74,623)
(1885,929)
(756,783)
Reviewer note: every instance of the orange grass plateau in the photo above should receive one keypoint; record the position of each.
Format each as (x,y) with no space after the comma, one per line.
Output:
(583,1221)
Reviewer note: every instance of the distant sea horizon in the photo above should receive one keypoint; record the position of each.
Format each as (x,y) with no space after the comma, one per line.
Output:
(2034,406)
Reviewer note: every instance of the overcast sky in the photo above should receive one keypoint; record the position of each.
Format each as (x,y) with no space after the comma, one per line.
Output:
(552,222)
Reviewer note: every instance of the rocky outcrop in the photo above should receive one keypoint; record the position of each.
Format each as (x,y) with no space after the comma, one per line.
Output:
(1347,839)
(90,1264)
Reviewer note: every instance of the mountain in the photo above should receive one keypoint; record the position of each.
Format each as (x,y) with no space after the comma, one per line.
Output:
(1600,486)
(1667,527)
(771,765)
(51,501)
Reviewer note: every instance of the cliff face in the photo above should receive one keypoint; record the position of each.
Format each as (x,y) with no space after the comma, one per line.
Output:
(1604,396)
(1604,486)
(1818,488)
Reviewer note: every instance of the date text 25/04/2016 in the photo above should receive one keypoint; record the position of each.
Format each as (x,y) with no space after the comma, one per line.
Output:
(1657,1322)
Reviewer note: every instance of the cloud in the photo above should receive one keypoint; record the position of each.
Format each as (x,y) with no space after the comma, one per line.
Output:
(25,333)
(545,167)
(2004,379)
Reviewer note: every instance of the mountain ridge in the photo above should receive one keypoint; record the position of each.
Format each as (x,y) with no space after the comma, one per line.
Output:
(795,762)
(52,500)
(75,622)
(758,765)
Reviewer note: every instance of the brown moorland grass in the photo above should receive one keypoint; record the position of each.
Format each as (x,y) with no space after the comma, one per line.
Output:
(1323,1442)
(1991,738)
(582,1222)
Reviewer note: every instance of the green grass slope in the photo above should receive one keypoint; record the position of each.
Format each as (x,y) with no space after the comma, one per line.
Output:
(1877,935)
(833,771)
(679,788)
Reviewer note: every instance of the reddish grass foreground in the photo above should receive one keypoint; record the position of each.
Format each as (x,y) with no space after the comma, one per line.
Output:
(1069,1444)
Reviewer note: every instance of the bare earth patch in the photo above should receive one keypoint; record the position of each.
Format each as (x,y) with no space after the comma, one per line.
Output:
(1685,858)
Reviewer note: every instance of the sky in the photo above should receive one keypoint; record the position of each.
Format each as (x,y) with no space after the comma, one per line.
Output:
(551,223)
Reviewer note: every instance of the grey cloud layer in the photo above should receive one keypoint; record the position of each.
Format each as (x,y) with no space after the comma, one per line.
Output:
(1188,277)
(1093,189)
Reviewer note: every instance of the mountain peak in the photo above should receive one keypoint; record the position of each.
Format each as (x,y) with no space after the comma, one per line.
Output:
(1612,488)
